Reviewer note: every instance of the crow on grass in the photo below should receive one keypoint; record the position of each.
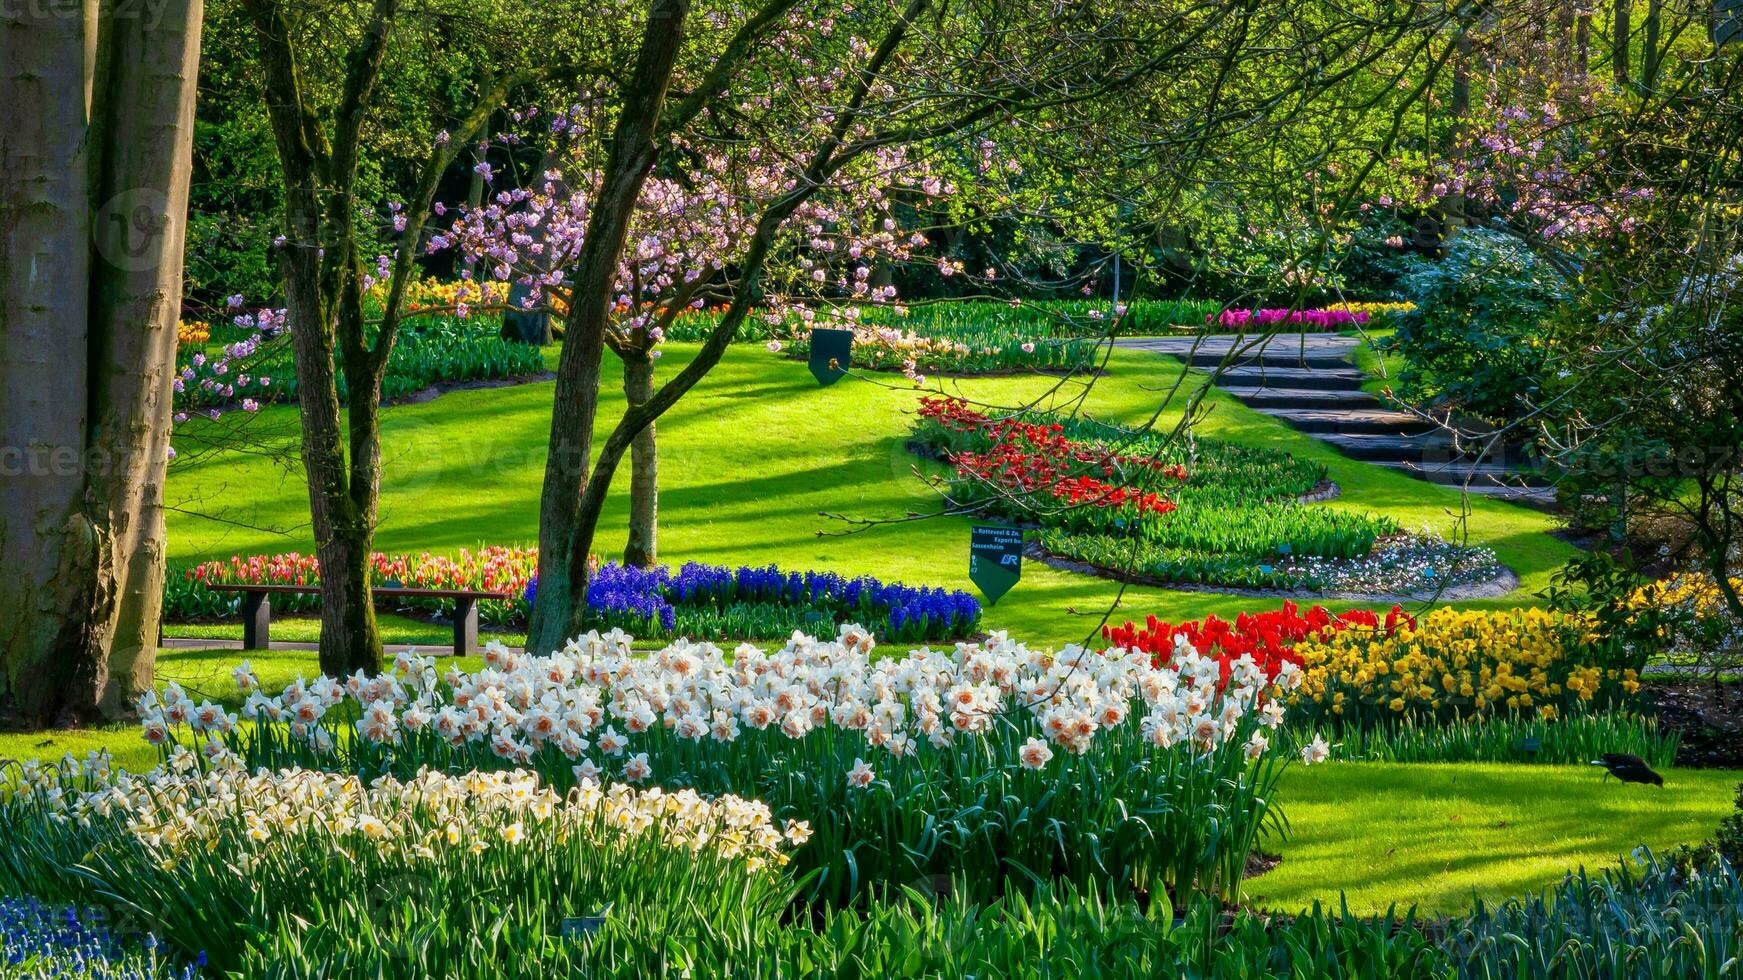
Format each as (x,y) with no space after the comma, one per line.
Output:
(1629,768)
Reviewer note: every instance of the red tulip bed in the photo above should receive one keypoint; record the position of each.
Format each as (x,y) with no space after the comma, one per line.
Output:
(1268,637)
(491,569)
(1030,460)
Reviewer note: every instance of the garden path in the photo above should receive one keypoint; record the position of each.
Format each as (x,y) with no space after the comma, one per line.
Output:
(1309,381)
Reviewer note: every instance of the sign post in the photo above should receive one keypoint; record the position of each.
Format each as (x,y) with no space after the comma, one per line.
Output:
(831,353)
(995,559)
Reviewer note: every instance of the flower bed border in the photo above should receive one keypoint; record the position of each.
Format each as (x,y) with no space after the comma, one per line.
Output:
(1500,585)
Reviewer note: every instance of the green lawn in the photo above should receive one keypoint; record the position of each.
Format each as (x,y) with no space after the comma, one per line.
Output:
(1382,368)
(306,628)
(747,464)
(759,452)
(1436,836)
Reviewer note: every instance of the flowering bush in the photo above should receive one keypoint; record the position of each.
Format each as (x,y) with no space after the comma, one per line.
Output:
(220,859)
(1268,318)
(697,600)
(1019,764)
(1457,664)
(1697,631)
(1090,488)
(187,592)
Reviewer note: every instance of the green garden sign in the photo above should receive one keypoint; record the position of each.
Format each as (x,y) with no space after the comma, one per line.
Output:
(831,353)
(995,559)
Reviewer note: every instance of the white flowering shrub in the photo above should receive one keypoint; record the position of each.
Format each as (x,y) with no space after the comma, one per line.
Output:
(217,859)
(991,760)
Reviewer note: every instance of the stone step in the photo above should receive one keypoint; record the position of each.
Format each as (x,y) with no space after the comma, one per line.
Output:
(1374,422)
(1265,399)
(1429,449)
(1295,378)
(1180,346)
(1484,476)
(1273,357)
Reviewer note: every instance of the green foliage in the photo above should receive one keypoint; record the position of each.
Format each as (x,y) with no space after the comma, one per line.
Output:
(1596,584)
(1574,740)
(1327,531)
(1475,341)
(1649,923)
(979,336)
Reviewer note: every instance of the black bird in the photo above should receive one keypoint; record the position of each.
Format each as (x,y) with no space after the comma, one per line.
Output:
(1629,768)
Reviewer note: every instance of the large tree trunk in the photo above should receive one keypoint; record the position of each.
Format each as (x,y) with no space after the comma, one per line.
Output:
(350,640)
(563,545)
(642,549)
(1620,35)
(95,140)
(1649,68)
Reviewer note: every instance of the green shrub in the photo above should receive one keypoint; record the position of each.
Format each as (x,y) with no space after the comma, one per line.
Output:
(1473,344)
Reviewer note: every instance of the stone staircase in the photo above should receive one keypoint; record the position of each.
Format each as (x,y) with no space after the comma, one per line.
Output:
(1308,380)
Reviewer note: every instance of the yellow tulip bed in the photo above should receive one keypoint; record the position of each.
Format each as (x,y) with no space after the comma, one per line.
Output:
(1695,629)
(1457,665)
(1374,309)
(1695,593)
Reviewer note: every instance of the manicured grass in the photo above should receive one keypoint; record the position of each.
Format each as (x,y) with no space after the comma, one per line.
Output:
(395,628)
(749,461)
(1382,368)
(1437,836)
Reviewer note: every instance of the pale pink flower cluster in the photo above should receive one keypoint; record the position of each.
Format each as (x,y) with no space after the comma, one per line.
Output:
(688,234)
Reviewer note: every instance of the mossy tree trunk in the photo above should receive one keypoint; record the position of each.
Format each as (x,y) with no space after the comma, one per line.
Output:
(96,125)
(320,146)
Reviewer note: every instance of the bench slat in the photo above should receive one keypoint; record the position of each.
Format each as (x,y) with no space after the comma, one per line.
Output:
(387,590)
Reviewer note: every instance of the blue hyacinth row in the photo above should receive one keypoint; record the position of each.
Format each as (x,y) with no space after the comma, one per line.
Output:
(702,599)
(40,941)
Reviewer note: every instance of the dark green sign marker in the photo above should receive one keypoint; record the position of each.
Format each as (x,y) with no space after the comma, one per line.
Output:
(1727,21)
(581,926)
(995,559)
(830,347)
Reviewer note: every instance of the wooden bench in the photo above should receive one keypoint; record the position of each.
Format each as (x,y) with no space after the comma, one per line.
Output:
(257,609)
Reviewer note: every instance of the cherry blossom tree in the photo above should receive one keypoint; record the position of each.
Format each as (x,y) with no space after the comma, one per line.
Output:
(684,242)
